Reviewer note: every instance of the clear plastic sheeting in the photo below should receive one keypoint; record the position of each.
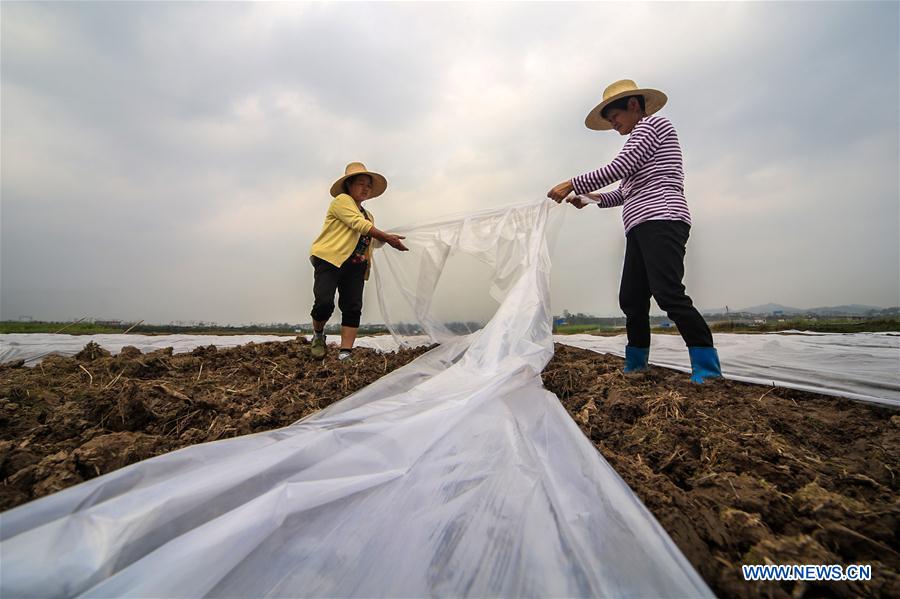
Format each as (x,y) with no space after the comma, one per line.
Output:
(456,475)
(861,366)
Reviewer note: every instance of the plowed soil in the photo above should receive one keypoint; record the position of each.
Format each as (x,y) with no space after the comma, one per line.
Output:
(735,473)
(743,474)
(70,419)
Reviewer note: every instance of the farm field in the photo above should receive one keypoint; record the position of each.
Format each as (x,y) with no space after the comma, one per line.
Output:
(735,473)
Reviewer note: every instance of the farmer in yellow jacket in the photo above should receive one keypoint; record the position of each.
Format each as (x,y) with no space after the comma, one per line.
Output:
(341,255)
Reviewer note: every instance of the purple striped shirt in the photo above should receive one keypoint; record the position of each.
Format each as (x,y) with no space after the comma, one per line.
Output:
(652,175)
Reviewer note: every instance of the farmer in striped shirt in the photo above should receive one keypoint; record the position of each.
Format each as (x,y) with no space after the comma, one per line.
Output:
(657,222)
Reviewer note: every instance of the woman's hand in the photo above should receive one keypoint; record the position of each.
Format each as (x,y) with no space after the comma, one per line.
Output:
(559,193)
(576,201)
(395,242)
(389,238)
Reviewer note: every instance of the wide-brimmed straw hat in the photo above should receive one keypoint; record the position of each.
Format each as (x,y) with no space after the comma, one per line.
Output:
(653,101)
(379,183)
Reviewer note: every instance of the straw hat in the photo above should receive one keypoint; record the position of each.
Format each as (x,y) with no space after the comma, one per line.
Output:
(653,101)
(379,183)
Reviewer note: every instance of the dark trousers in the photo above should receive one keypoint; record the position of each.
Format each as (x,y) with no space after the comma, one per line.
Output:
(654,265)
(348,281)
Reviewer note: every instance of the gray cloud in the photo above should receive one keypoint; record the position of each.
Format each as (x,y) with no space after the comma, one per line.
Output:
(170,160)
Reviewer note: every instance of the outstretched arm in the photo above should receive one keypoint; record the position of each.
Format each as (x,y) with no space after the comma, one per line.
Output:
(395,241)
(640,147)
(344,208)
(603,200)
(609,199)
(599,199)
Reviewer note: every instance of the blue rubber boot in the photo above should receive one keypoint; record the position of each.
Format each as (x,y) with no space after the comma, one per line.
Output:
(704,364)
(636,359)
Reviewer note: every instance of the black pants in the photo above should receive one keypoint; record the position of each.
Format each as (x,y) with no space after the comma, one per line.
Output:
(348,281)
(654,265)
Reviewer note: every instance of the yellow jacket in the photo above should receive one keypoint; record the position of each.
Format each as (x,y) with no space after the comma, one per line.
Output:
(344,224)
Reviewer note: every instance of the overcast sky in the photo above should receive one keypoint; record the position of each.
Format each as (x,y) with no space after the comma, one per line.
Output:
(171,161)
